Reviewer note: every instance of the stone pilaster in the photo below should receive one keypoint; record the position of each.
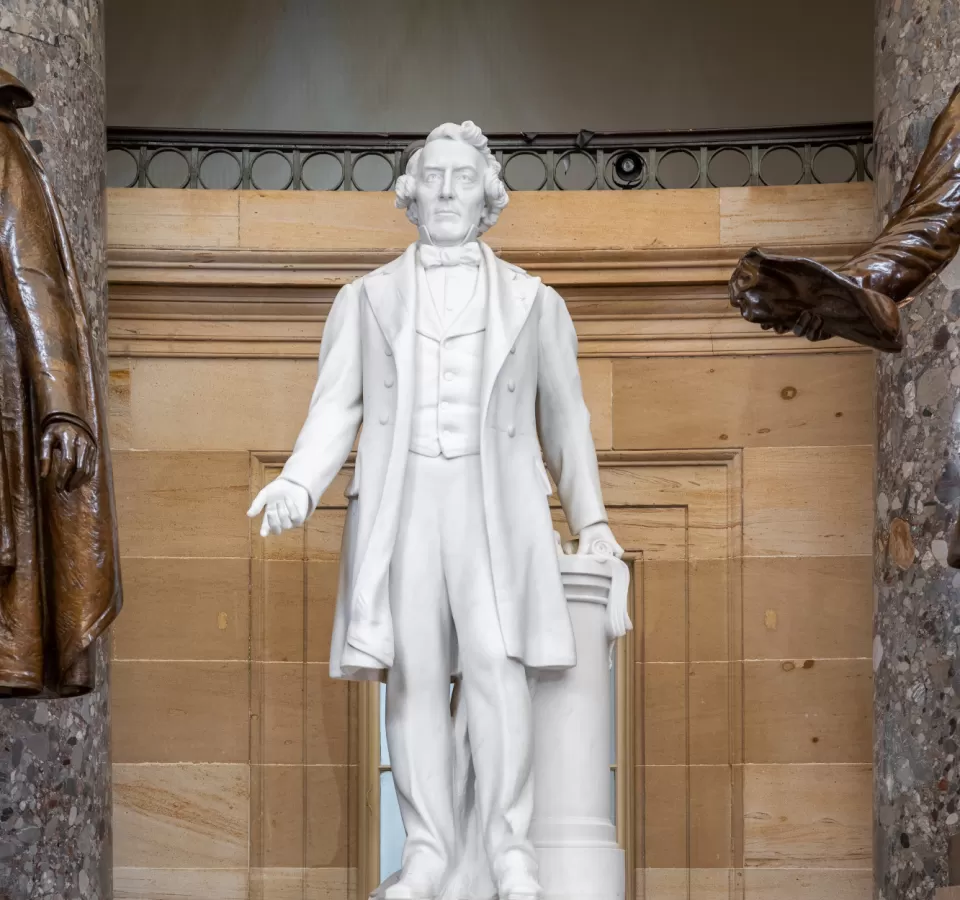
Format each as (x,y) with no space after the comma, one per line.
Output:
(55,834)
(917,625)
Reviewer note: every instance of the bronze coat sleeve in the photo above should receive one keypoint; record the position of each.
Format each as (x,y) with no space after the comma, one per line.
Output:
(36,292)
(923,235)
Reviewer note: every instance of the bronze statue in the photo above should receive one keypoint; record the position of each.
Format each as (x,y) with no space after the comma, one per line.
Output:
(59,562)
(860,300)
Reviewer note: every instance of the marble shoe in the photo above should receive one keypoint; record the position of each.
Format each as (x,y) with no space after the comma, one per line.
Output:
(518,884)
(410,887)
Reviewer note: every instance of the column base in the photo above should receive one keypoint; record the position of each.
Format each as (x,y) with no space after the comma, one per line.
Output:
(581,872)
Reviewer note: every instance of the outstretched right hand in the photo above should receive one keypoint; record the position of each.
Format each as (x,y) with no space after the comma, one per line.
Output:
(287,506)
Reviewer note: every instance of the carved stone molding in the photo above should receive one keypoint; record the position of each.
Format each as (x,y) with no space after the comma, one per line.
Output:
(272,304)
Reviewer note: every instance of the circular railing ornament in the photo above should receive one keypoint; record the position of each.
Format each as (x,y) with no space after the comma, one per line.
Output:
(269,169)
(168,162)
(207,172)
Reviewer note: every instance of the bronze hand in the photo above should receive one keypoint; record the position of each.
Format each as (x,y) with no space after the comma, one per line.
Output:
(68,454)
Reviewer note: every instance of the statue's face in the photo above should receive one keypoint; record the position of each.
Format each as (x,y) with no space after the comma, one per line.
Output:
(450,190)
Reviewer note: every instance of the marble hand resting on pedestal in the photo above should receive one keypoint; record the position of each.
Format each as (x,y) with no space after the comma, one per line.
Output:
(598,541)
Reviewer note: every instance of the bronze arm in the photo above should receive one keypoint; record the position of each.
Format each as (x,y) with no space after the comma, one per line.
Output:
(859,301)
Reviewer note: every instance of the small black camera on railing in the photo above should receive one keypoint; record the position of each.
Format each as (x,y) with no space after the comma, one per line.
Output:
(629,170)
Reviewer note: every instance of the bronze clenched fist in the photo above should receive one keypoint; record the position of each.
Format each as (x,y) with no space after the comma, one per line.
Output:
(67,454)
(803,296)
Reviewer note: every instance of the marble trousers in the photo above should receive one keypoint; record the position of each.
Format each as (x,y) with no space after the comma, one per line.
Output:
(443,603)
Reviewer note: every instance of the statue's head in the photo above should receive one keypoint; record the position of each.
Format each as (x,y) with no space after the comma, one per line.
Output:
(452,186)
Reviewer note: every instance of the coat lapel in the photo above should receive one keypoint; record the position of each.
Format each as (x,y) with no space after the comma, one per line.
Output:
(508,306)
(392,294)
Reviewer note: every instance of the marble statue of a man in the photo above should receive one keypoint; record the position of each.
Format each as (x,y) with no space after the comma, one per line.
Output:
(454,361)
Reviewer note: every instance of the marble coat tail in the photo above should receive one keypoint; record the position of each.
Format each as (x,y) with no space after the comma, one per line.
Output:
(59,574)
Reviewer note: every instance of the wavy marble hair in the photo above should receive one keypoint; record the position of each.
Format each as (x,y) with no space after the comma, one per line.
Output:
(494,190)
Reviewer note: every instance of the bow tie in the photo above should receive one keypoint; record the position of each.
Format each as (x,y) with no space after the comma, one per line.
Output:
(464,255)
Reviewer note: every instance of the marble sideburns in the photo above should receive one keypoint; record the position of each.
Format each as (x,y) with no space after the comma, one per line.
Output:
(453,361)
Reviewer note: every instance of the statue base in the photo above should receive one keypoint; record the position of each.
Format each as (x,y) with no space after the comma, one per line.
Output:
(581,873)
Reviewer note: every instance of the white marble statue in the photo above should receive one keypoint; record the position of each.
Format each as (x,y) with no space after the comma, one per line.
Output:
(454,362)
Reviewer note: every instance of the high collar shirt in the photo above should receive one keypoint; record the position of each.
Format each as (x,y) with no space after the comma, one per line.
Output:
(449,288)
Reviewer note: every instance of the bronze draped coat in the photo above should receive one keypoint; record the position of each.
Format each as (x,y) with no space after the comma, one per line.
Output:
(59,563)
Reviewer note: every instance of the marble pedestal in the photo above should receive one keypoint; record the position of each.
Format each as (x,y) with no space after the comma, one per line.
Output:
(55,824)
(575,839)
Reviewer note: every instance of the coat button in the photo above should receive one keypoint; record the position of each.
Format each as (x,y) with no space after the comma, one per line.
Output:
(448,376)
(513,349)
(511,431)
(388,351)
(388,382)
(384,418)
(511,386)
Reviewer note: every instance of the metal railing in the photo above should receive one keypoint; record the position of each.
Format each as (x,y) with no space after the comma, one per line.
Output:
(230,160)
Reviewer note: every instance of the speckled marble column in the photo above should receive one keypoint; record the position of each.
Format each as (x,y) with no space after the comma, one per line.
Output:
(55,832)
(917,694)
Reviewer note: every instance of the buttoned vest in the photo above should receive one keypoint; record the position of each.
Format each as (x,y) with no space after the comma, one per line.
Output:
(449,364)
